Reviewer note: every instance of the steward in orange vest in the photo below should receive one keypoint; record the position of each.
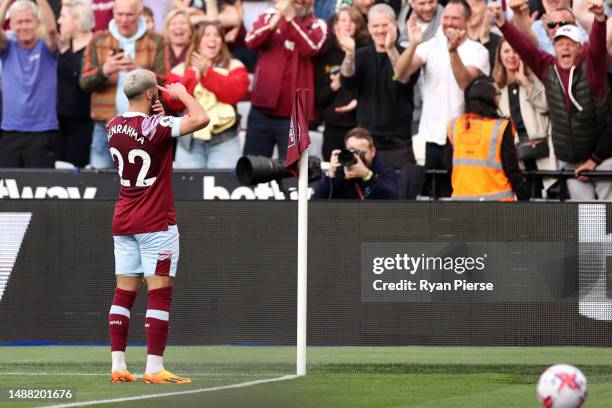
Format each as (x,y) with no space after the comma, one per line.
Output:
(478,173)
(481,149)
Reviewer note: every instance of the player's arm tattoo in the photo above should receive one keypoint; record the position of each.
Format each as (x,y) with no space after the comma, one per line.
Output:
(348,65)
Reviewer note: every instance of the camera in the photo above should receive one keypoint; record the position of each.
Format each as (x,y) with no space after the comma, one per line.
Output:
(252,170)
(346,157)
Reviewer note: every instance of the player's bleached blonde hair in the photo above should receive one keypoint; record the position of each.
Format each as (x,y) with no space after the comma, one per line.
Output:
(22,5)
(137,82)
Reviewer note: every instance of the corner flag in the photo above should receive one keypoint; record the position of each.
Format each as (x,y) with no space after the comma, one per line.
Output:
(299,139)
(297,163)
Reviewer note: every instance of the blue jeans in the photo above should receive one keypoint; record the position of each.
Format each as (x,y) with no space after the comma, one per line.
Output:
(265,131)
(99,153)
(198,154)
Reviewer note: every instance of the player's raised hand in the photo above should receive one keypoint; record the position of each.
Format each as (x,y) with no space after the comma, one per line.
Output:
(158,108)
(415,34)
(596,7)
(175,90)
(496,11)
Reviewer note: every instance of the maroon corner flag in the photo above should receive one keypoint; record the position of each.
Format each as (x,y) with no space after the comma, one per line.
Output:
(299,139)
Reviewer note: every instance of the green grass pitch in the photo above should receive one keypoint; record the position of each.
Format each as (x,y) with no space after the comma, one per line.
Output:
(343,377)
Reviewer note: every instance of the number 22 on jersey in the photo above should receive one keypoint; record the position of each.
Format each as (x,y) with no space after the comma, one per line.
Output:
(141,180)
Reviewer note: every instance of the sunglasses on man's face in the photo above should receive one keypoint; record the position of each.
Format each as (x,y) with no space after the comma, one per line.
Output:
(556,24)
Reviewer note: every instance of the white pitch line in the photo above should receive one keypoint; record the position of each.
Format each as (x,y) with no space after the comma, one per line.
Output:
(186,374)
(169,394)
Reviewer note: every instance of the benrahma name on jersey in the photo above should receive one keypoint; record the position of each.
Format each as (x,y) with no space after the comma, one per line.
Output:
(126,129)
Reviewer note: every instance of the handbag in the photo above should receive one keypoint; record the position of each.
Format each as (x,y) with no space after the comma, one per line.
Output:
(533,149)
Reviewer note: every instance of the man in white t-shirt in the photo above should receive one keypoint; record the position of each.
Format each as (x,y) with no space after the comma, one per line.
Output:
(450,61)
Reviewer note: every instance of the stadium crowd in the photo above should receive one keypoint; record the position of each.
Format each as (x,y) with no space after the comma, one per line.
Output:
(492,89)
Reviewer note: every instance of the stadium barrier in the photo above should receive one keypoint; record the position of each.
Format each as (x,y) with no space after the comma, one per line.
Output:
(387,273)
(104,185)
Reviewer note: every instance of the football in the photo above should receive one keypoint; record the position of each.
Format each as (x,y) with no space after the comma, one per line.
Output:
(562,386)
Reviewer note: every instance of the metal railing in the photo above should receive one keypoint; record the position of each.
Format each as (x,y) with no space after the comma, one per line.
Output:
(561,175)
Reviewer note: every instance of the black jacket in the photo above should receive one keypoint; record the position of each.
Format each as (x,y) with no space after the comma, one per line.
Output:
(384,103)
(381,186)
(327,100)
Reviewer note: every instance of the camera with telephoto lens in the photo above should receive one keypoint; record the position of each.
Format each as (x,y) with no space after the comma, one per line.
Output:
(346,157)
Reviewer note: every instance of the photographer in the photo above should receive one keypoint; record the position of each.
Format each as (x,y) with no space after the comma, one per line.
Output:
(357,172)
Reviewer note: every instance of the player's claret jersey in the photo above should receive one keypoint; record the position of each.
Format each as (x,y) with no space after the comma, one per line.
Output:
(141,147)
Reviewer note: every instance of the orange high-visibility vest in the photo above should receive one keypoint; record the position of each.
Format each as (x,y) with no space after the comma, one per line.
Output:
(477,168)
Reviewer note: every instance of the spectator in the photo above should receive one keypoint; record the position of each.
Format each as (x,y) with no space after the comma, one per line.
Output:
(428,17)
(108,59)
(103,13)
(451,61)
(332,100)
(558,13)
(479,28)
(364,7)
(524,101)
(580,8)
(159,10)
(73,104)
(178,33)
(218,82)
(368,178)
(230,14)
(396,5)
(287,38)
(149,17)
(29,78)
(577,96)
(236,40)
(480,152)
(384,105)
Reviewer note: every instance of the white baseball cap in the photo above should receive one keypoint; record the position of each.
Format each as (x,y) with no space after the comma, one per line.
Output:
(570,31)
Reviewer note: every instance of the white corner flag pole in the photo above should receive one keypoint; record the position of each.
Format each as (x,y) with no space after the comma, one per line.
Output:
(302,253)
